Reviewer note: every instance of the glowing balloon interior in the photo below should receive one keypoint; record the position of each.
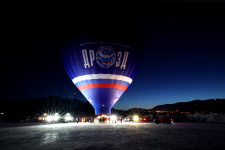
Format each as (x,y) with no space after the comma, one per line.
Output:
(102,64)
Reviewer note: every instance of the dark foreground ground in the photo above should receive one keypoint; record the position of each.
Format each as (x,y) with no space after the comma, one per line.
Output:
(132,136)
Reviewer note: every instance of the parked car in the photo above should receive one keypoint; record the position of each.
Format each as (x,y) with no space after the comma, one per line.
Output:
(164,119)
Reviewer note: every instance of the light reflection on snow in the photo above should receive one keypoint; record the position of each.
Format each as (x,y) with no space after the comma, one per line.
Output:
(50,137)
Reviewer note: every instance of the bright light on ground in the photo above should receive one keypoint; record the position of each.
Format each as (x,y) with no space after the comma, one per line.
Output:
(136,118)
(113,117)
(49,118)
(56,117)
(68,117)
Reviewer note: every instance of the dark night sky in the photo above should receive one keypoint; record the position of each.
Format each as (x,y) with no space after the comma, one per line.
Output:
(184,51)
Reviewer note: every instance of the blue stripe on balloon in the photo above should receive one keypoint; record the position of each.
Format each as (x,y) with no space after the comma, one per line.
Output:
(92,81)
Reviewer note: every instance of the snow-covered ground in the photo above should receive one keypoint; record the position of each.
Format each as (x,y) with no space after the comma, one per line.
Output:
(132,136)
(212,117)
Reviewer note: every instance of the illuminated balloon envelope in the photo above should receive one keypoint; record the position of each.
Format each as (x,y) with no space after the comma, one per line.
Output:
(102,58)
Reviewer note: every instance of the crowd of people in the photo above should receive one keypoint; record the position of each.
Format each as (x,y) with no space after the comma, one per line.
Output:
(101,120)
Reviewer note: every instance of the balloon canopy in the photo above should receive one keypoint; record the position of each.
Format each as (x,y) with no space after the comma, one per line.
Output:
(102,56)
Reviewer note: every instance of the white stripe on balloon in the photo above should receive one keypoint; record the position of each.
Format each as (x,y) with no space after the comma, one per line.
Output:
(102,76)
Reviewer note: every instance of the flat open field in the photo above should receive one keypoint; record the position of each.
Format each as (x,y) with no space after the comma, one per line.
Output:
(132,136)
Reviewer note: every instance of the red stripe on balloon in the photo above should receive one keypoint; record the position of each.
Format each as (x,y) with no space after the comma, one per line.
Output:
(102,85)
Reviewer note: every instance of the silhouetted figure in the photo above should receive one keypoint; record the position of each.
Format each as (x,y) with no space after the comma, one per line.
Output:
(164,119)
(154,114)
(77,120)
(100,120)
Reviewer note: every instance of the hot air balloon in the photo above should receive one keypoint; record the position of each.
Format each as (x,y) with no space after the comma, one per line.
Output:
(102,55)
